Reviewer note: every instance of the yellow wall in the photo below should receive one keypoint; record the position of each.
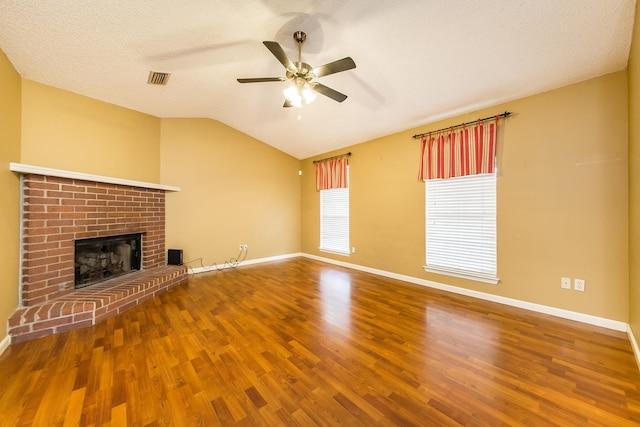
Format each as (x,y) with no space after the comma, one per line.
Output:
(64,130)
(634,179)
(234,190)
(9,190)
(562,200)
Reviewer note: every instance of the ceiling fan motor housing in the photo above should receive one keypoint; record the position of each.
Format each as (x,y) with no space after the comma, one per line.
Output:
(302,70)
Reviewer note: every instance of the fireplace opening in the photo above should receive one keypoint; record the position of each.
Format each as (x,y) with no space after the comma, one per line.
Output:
(103,258)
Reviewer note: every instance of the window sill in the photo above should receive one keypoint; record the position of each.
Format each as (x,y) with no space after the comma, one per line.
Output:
(469,276)
(331,251)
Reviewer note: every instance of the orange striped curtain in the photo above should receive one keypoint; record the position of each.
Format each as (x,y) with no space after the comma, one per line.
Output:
(470,150)
(331,173)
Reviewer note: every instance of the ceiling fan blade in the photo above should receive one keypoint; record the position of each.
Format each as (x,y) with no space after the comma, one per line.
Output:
(287,104)
(262,79)
(343,64)
(280,54)
(327,91)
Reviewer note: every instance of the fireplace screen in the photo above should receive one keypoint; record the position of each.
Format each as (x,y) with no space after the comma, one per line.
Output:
(103,258)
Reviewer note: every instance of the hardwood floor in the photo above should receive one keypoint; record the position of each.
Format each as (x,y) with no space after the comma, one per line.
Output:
(299,342)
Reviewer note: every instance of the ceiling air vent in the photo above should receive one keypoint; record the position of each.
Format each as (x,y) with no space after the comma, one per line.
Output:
(157,78)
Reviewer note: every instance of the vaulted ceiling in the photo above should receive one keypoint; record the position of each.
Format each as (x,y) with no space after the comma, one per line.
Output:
(417,60)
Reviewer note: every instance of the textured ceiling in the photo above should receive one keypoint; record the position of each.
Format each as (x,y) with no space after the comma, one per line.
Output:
(417,60)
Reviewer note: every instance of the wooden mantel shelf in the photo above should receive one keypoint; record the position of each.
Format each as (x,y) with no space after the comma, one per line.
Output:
(39,170)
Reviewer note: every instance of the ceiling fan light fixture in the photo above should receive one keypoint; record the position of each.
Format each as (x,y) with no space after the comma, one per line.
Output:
(300,90)
(292,94)
(308,94)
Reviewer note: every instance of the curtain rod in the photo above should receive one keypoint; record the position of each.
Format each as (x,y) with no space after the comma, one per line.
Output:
(334,157)
(420,135)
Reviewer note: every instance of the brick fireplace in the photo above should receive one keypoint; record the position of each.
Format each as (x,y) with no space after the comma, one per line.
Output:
(60,208)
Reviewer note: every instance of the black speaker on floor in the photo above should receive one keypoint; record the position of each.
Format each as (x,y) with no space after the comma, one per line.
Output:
(174,257)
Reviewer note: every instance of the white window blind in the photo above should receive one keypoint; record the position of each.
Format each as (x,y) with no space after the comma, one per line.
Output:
(334,220)
(461,227)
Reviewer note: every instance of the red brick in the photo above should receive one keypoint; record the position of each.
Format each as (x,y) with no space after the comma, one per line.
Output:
(66,244)
(73,229)
(73,326)
(51,323)
(16,318)
(72,215)
(42,185)
(60,266)
(87,196)
(73,202)
(41,215)
(29,263)
(32,224)
(41,278)
(73,188)
(60,237)
(86,235)
(41,293)
(41,201)
(34,247)
(19,331)
(83,316)
(88,209)
(58,179)
(32,192)
(27,301)
(59,222)
(35,208)
(39,231)
(56,309)
(97,228)
(78,307)
(29,315)
(62,252)
(43,312)
(97,190)
(66,309)
(60,194)
(33,254)
(61,209)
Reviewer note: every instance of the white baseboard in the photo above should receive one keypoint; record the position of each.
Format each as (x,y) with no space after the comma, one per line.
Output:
(4,344)
(240,264)
(558,312)
(634,344)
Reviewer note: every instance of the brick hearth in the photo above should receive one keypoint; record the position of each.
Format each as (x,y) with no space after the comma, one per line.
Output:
(56,212)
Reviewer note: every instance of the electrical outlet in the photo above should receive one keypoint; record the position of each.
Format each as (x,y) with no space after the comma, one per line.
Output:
(578,285)
(353,249)
(565,282)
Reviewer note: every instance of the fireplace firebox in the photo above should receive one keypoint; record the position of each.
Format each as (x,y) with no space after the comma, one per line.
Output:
(103,258)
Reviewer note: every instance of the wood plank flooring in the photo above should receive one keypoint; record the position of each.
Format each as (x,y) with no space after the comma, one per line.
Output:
(302,343)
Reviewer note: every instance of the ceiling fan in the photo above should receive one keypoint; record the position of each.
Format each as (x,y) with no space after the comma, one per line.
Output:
(304,84)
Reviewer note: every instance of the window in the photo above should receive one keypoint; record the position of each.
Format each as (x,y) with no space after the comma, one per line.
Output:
(461,227)
(334,219)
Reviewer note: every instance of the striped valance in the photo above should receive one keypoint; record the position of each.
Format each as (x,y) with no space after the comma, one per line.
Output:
(331,173)
(468,150)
